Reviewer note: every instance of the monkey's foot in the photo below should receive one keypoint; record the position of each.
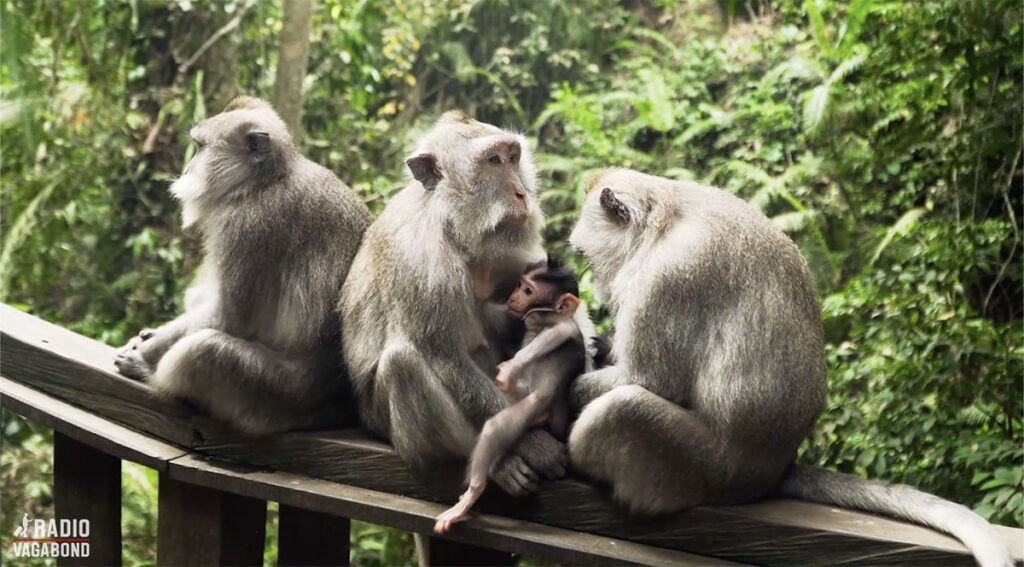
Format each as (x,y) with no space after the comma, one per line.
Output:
(129,362)
(450,516)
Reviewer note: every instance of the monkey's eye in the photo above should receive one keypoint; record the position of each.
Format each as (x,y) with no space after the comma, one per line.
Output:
(527,290)
(494,159)
(512,158)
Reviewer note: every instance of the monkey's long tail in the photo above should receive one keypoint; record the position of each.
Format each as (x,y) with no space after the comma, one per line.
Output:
(900,501)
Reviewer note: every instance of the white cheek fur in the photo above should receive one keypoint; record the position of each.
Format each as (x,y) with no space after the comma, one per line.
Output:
(187,189)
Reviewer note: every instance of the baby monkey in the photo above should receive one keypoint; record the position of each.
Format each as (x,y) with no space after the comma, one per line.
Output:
(538,376)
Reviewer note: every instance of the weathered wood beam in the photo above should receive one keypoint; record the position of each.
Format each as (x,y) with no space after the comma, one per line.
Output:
(414,515)
(89,428)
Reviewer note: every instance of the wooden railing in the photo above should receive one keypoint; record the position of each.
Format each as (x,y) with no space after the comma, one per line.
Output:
(214,485)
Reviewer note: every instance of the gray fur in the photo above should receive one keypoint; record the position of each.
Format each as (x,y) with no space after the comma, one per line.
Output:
(720,370)
(257,345)
(412,327)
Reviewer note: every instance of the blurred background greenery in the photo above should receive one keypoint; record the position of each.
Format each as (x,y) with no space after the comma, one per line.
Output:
(884,136)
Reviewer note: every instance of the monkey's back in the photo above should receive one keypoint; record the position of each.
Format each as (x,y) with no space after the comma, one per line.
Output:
(744,346)
(307,225)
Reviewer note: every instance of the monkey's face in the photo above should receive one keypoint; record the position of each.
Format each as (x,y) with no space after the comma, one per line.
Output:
(483,180)
(526,295)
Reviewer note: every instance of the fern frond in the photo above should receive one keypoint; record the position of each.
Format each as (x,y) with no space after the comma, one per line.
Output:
(749,172)
(792,221)
(847,66)
(899,228)
(815,108)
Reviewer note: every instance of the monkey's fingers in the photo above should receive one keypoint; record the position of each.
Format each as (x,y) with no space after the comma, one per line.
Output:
(515,476)
(544,453)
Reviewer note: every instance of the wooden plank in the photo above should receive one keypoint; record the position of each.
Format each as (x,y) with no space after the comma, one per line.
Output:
(777,532)
(438,552)
(201,526)
(505,534)
(780,532)
(88,428)
(305,537)
(81,371)
(87,486)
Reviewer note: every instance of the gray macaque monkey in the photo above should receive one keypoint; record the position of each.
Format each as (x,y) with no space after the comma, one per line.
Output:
(537,377)
(257,345)
(719,368)
(415,313)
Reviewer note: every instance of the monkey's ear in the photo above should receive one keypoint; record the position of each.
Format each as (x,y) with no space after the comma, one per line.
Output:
(567,304)
(616,208)
(425,170)
(258,144)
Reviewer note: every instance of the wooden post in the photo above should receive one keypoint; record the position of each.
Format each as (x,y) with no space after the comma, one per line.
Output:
(87,486)
(202,526)
(434,552)
(311,538)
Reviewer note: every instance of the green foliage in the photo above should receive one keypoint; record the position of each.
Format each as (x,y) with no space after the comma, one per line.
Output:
(885,137)
(26,477)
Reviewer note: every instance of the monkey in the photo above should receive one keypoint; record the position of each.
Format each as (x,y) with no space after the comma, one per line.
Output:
(538,376)
(417,300)
(258,343)
(719,368)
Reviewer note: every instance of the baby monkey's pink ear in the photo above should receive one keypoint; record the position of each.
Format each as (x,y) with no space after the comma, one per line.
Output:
(567,304)
(424,169)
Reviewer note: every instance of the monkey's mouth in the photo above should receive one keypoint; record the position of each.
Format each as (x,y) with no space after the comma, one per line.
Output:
(513,222)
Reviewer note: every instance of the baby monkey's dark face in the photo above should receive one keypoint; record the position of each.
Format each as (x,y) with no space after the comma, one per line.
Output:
(535,291)
(529,294)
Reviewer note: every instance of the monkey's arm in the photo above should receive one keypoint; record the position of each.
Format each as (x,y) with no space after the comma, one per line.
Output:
(592,384)
(546,341)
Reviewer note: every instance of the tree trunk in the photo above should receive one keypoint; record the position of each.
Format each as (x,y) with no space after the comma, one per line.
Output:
(291,63)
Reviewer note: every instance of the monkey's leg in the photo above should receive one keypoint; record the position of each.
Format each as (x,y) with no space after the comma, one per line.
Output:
(156,342)
(241,382)
(656,455)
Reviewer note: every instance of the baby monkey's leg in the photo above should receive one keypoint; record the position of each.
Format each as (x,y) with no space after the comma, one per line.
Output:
(497,439)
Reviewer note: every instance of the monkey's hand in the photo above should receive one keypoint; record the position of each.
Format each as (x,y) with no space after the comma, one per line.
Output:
(543,453)
(129,361)
(508,375)
(514,476)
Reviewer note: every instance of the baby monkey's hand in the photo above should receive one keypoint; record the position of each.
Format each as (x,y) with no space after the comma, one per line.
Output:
(508,375)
